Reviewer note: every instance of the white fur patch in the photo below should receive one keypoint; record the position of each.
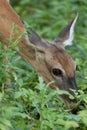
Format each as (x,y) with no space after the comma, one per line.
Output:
(71,34)
(8,1)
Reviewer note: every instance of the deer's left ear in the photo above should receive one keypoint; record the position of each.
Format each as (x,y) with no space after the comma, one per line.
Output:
(35,39)
(67,34)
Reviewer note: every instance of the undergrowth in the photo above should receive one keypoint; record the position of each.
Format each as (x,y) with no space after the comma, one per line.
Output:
(26,102)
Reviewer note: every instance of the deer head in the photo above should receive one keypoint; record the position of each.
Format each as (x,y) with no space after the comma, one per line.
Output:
(51,61)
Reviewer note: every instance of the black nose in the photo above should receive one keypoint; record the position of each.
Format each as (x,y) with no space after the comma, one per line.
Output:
(72,83)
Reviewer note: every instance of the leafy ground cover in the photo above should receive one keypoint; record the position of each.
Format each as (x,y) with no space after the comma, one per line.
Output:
(29,104)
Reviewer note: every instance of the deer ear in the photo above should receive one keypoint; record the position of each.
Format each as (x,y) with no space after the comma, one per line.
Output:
(35,39)
(67,34)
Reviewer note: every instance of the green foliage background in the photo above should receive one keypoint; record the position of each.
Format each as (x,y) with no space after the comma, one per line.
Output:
(30,104)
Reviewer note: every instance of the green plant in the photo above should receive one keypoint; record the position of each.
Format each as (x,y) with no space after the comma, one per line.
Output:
(27,103)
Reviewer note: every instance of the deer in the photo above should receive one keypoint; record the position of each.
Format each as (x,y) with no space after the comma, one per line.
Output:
(49,58)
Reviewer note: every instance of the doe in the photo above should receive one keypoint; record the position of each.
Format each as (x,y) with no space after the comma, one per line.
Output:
(50,59)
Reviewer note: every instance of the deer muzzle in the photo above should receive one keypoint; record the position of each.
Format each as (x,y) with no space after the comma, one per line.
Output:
(72,83)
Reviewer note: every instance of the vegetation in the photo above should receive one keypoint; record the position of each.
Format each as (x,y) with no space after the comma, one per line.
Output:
(30,104)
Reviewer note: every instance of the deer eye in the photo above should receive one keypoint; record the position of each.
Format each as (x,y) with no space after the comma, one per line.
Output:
(56,72)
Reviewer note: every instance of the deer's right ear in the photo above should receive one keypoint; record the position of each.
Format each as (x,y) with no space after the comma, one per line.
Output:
(36,40)
(66,35)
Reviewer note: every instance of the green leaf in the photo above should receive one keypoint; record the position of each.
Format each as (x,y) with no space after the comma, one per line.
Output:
(6,122)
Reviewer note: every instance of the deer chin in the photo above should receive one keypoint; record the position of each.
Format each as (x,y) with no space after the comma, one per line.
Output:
(70,103)
(69,85)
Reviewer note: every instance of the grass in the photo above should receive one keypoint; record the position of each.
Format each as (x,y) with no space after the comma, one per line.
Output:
(30,104)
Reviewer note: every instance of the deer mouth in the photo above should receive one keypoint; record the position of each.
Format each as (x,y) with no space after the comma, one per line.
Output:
(68,85)
(71,85)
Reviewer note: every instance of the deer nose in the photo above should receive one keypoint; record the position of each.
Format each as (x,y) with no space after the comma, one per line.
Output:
(72,83)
